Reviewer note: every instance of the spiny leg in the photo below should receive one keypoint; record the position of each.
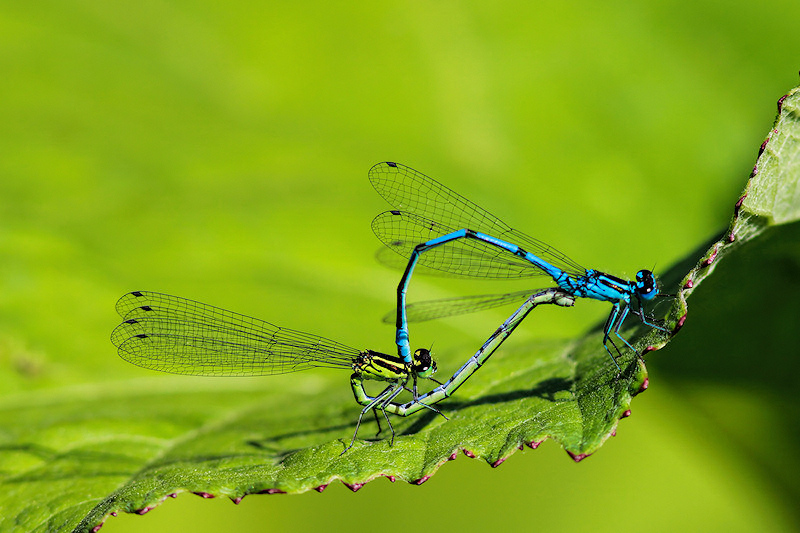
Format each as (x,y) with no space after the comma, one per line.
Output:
(649,320)
(377,421)
(619,354)
(432,408)
(617,333)
(398,389)
(415,396)
(612,317)
(371,405)
(429,379)
(644,318)
(389,422)
(415,400)
(618,325)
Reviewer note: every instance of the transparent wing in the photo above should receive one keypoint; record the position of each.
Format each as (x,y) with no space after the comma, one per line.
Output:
(402,231)
(410,191)
(446,307)
(388,257)
(181,336)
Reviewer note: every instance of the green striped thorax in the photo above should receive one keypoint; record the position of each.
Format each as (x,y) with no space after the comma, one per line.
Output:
(384,367)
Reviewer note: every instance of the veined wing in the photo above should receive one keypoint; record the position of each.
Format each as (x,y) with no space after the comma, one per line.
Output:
(181,336)
(401,231)
(390,258)
(446,307)
(410,191)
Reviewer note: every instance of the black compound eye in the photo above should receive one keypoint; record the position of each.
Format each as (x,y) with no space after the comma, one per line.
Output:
(423,363)
(422,358)
(646,285)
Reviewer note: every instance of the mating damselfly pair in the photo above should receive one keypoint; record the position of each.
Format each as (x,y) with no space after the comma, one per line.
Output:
(432,226)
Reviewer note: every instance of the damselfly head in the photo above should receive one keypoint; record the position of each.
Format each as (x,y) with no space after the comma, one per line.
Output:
(646,286)
(423,364)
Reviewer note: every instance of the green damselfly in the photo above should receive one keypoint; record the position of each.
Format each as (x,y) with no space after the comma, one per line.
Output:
(182,336)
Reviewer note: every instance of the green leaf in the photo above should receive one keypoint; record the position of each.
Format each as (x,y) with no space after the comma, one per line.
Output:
(774,191)
(70,457)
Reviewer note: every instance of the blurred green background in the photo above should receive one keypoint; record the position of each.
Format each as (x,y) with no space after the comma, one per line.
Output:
(219,152)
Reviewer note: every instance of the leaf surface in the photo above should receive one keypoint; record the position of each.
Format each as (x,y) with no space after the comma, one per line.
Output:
(72,456)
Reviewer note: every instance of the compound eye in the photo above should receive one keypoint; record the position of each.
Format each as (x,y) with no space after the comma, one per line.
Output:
(423,357)
(424,364)
(646,286)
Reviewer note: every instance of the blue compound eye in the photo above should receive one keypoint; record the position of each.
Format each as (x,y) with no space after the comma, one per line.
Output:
(646,286)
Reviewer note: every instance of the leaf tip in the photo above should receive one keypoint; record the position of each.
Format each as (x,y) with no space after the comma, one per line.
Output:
(711,258)
(578,457)
(626,414)
(205,495)
(780,103)
(468,453)
(534,444)
(355,487)
(738,205)
(320,488)
(421,480)
(499,462)
(760,151)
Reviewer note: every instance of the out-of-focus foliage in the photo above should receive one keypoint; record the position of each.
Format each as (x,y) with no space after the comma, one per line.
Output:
(220,152)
